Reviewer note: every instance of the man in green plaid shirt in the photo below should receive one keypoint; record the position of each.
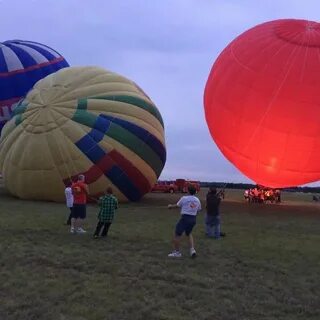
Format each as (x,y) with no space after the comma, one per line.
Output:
(108,205)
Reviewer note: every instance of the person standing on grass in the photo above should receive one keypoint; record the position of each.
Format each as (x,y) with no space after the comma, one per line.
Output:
(190,206)
(80,193)
(69,201)
(108,205)
(212,220)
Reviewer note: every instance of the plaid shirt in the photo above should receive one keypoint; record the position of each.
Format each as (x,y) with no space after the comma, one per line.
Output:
(108,205)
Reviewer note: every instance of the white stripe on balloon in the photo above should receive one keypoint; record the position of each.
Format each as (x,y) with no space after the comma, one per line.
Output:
(12,61)
(37,56)
(39,45)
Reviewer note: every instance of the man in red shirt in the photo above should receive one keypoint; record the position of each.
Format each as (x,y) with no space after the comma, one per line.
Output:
(80,192)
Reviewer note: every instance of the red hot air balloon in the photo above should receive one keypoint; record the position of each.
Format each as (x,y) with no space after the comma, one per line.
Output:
(262,102)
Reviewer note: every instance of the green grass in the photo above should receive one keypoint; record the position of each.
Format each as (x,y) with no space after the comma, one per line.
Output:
(266,268)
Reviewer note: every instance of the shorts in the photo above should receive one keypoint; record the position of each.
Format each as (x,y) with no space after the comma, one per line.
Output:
(79,211)
(185,225)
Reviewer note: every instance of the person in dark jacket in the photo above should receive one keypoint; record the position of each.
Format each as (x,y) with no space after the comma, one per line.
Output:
(212,220)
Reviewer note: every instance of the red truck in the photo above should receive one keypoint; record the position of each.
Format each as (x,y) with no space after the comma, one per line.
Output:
(164,186)
(183,185)
(179,185)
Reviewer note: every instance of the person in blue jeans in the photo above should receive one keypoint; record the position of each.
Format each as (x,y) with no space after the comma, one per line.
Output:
(212,219)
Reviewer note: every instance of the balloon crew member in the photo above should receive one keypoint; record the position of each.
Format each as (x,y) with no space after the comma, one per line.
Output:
(108,205)
(190,206)
(80,193)
(212,219)
(69,201)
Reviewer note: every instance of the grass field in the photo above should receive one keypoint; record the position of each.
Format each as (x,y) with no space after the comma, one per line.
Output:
(266,268)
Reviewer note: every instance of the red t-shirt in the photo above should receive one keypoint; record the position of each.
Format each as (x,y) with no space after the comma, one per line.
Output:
(79,192)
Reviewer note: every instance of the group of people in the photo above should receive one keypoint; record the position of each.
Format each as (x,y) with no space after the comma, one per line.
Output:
(262,195)
(77,194)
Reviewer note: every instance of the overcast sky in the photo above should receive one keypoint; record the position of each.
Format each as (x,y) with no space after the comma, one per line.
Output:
(166,46)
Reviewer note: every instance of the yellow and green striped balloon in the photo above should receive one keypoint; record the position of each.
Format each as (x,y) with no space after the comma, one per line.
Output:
(83,120)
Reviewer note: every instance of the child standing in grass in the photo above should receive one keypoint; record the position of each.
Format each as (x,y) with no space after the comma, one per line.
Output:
(108,205)
(190,206)
(69,202)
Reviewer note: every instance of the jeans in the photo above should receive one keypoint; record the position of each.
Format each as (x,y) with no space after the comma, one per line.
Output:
(213,224)
(69,218)
(105,225)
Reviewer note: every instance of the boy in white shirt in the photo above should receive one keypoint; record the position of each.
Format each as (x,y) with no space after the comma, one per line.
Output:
(69,201)
(190,206)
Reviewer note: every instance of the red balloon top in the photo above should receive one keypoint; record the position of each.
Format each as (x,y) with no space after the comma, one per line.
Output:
(262,102)
(300,32)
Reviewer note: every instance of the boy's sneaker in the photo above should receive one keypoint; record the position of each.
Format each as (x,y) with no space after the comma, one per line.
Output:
(95,236)
(72,230)
(80,230)
(175,254)
(193,253)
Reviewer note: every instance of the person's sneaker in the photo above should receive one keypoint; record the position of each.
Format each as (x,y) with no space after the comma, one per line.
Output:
(80,230)
(175,254)
(72,230)
(193,253)
(95,236)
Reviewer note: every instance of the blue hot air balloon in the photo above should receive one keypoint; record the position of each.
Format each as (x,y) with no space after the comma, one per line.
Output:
(22,64)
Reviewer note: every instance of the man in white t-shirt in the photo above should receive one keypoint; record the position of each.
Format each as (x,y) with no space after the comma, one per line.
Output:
(69,201)
(190,206)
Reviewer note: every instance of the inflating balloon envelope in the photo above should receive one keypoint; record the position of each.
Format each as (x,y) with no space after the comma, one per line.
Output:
(262,102)
(22,64)
(83,120)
